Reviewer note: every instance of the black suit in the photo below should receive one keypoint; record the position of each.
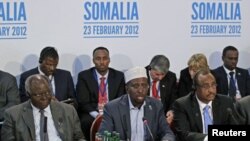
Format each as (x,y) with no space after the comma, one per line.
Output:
(87,93)
(243,81)
(185,83)
(64,86)
(188,119)
(167,89)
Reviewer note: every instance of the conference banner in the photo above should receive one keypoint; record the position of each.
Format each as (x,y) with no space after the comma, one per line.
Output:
(133,30)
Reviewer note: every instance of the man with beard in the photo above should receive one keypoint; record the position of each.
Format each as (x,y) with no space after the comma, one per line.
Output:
(136,116)
(97,86)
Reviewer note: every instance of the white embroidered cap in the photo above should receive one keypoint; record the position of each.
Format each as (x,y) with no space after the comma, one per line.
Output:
(135,72)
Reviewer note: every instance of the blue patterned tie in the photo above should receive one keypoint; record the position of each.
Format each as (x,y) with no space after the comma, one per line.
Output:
(207,118)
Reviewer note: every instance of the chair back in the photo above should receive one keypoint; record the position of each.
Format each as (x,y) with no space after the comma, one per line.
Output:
(95,127)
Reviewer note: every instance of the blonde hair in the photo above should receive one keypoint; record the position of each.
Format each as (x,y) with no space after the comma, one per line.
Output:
(197,61)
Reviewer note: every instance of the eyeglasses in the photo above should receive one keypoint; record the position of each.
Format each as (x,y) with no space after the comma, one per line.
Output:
(46,94)
(207,86)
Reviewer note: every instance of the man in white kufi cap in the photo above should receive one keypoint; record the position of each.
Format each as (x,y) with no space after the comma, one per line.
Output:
(131,114)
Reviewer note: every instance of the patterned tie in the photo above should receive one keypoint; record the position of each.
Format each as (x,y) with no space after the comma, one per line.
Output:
(154,90)
(43,127)
(102,96)
(232,87)
(207,118)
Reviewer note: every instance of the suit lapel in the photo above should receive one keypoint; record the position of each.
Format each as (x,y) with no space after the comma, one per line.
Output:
(57,83)
(28,118)
(239,79)
(93,82)
(149,113)
(111,82)
(58,118)
(216,109)
(124,106)
(224,80)
(197,113)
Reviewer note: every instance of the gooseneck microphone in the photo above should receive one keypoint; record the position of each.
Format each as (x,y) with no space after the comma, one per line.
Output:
(145,122)
(230,112)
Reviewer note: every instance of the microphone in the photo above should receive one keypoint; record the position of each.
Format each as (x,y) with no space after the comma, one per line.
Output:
(45,125)
(229,110)
(145,122)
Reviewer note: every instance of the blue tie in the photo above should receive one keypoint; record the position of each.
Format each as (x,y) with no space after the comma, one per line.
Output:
(207,118)
(232,88)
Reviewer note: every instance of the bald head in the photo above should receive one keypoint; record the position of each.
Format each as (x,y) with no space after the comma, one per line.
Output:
(38,88)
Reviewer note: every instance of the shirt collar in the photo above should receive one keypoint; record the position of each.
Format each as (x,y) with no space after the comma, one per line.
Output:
(35,109)
(41,72)
(131,106)
(99,75)
(227,70)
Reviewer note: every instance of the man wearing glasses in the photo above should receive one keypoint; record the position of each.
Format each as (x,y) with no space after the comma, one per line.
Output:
(41,118)
(195,111)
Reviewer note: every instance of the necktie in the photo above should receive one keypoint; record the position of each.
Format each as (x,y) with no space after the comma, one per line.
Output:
(102,96)
(207,118)
(154,90)
(43,127)
(232,87)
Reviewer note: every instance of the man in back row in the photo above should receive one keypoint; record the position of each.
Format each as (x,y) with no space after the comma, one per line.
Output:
(232,80)
(40,118)
(60,80)
(96,87)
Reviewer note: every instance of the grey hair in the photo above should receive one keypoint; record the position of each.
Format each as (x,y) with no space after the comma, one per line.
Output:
(160,63)
(31,79)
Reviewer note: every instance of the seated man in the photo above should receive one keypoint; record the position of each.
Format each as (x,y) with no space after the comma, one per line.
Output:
(195,111)
(29,120)
(9,95)
(163,83)
(97,86)
(136,116)
(60,80)
(231,79)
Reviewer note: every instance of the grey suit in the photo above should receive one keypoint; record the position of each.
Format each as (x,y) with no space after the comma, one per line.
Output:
(9,95)
(117,118)
(19,122)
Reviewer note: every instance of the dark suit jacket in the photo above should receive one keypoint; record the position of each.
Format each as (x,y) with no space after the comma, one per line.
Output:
(117,118)
(243,109)
(19,122)
(185,83)
(87,88)
(168,89)
(64,85)
(188,119)
(8,92)
(243,80)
